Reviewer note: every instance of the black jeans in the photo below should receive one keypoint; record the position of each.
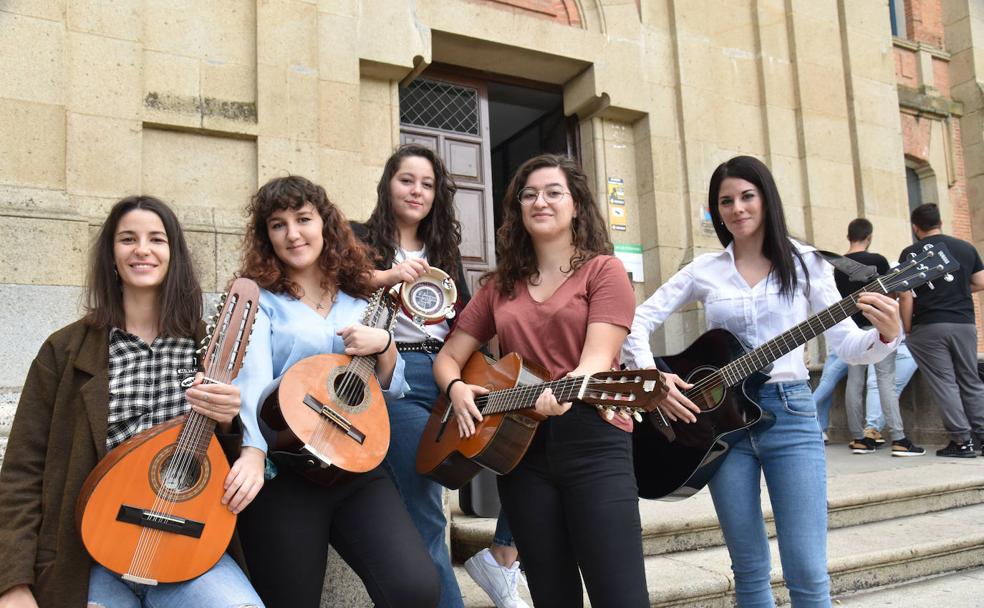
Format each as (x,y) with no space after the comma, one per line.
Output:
(572,502)
(286,531)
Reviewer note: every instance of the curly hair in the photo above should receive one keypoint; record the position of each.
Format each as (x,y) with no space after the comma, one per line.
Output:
(440,231)
(179,298)
(344,261)
(514,247)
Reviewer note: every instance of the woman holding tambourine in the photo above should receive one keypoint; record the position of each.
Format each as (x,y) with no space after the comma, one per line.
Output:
(415,235)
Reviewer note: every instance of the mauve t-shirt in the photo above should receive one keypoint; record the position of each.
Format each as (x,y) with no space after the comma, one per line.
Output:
(552,333)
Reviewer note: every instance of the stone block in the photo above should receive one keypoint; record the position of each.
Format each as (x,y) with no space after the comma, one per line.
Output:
(272,107)
(338,47)
(33,136)
(198,170)
(339,7)
(826,136)
(28,315)
(222,30)
(880,148)
(666,164)
(117,19)
(100,155)
(279,157)
(39,251)
(659,62)
(380,131)
(303,104)
(740,127)
(375,90)
(53,10)
(339,102)
(225,82)
(822,91)
(228,254)
(203,255)
(33,52)
(104,76)
(287,34)
(172,75)
(36,202)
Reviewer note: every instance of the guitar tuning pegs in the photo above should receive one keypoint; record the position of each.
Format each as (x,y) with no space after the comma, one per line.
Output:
(609,413)
(637,415)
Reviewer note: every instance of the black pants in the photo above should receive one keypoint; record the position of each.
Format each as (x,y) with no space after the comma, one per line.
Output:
(572,502)
(286,531)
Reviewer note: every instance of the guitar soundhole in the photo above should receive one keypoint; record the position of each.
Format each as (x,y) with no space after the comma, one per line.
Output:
(708,392)
(349,388)
(178,476)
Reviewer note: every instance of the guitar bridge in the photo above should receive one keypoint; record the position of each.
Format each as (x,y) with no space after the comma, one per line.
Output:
(336,418)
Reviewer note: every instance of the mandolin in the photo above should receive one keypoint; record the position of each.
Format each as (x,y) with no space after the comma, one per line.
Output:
(508,418)
(151,509)
(674,460)
(328,413)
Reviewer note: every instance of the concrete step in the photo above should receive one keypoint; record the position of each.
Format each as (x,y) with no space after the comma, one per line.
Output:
(866,556)
(861,489)
(964,588)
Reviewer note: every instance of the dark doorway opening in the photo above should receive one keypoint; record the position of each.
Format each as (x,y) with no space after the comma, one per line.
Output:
(524,122)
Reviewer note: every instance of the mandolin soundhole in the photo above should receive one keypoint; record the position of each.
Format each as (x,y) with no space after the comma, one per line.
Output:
(349,389)
(178,476)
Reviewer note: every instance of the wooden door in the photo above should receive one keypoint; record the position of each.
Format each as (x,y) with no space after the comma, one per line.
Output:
(450,115)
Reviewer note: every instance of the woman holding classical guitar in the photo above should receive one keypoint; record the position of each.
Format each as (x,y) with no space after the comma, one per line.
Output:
(559,299)
(316,278)
(762,284)
(413,229)
(94,384)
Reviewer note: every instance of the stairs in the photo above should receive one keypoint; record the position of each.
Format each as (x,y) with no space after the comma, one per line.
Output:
(892,521)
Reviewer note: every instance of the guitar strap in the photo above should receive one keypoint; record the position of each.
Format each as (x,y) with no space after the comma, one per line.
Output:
(855,271)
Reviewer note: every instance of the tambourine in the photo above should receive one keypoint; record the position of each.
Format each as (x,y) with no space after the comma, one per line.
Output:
(430,299)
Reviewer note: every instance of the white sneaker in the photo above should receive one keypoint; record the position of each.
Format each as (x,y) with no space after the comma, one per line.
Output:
(499,582)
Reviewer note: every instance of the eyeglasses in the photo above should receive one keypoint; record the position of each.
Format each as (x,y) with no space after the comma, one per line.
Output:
(551,196)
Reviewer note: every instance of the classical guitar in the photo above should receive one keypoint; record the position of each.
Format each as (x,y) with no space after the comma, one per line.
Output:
(328,413)
(508,418)
(674,460)
(151,509)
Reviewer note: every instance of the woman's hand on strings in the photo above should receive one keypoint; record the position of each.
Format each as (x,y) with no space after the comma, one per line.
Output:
(216,400)
(883,312)
(675,405)
(548,405)
(463,397)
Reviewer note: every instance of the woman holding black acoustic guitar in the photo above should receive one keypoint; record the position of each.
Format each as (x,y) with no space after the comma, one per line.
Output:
(301,251)
(762,284)
(559,299)
(94,384)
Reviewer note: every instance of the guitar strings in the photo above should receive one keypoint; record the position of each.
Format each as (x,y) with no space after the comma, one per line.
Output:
(190,441)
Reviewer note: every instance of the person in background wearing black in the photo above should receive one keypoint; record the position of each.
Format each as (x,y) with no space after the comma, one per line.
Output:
(942,335)
(859,233)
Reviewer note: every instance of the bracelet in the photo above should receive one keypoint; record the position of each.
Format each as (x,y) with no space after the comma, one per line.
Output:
(388,344)
(447,390)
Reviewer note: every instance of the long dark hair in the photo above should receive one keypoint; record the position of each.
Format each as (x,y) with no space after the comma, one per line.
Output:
(179,298)
(343,261)
(440,230)
(776,246)
(514,247)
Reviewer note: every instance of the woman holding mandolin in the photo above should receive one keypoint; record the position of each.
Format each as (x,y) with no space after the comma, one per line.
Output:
(316,278)
(116,372)
(559,299)
(762,284)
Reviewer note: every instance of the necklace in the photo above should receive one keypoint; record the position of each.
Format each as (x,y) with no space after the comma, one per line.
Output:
(320,304)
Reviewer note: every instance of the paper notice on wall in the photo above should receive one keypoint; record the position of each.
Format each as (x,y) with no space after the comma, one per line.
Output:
(631,256)
(616,204)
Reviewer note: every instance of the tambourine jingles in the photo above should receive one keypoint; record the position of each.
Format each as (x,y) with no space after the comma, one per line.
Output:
(430,299)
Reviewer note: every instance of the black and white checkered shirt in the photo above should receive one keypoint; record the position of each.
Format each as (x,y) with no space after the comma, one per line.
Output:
(145,382)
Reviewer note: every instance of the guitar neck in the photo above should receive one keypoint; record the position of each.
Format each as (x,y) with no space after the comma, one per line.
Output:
(523,397)
(788,341)
(196,434)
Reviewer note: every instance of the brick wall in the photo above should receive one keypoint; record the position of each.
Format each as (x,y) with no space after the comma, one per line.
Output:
(924,21)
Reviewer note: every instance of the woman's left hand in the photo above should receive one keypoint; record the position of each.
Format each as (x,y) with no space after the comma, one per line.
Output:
(218,401)
(361,340)
(548,405)
(883,312)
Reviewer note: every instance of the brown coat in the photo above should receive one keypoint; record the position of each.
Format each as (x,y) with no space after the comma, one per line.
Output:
(58,436)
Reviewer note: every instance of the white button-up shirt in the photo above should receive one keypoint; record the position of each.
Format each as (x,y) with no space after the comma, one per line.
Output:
(755,314)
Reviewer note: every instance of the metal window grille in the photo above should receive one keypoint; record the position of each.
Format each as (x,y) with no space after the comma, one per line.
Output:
(439,105)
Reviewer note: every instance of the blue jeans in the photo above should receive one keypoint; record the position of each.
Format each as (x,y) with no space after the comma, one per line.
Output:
(223,585)
(422,497)
(905,367)
(834,370)
(791,455)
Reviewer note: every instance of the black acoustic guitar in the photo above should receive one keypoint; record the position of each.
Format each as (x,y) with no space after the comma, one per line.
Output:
(674,460)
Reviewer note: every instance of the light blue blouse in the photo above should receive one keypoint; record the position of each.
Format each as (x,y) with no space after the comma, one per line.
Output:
(286,331)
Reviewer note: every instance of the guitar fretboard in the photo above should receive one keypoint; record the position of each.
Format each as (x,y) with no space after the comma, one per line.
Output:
(790,340)
(521,397)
